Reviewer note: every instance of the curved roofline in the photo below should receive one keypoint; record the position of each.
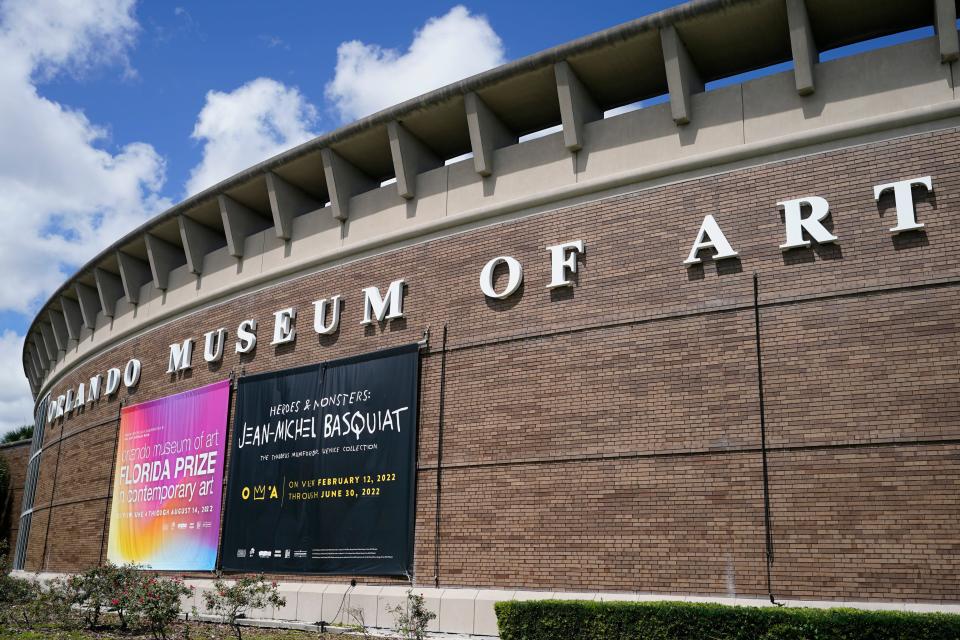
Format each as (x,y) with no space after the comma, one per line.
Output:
(461,87)
(834,25)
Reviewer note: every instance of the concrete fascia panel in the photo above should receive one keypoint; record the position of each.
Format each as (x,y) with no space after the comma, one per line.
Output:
(577,106)
(334,598)
(410,158)
(310,602)
(164,258)
(286,203)
(239,223)
(487,133)
(343,182)
(59,328)
(90,304)
(72,316)
(457,611)
(49,344)
(198,241)
(683,78)
(805,54)
(110,289)
(945,23)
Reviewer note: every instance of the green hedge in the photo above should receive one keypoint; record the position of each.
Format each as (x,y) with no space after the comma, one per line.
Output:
(581,620)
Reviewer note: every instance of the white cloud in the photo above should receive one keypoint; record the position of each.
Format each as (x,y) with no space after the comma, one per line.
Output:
(64,193)
(56,35)
(446,49)
(16,407)
(248,125)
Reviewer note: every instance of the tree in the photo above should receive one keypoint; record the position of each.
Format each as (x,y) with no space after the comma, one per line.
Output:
(20,433)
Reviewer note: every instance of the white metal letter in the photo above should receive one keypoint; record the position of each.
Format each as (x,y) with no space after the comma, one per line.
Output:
(246,336)
(283,329)
(181,357)
(113,381)
(710,237)
(563,258)
(796,224)
(131,373)
(94,389)
(514,277)
(903,200)
(376,307)
(320,314)
(213,342)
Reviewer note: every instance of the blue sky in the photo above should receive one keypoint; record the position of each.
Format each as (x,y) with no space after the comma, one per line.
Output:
(183,51)
(113,110)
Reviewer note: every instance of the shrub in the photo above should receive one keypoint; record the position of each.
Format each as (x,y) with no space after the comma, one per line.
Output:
(124,591)
(579,620)
(155,603)
(31,604)
(92,592)
(108,587)
(15,593)
(411,618)
(232,602)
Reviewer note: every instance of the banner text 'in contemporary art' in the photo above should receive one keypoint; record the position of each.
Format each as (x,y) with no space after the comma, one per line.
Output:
(168,480)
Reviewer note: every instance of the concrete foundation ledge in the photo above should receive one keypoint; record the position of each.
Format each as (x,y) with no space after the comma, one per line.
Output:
(461,612)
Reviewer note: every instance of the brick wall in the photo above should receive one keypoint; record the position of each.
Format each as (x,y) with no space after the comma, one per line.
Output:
(16,456)
(608,436)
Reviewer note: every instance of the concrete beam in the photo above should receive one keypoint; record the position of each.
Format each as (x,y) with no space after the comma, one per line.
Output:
(410,157)
(90,304)
(577,106)
(30,372)
(29,366)
(42,353)
(239,223)
(49,343)
(286,203)
(39,359)
(32,369)
(945,23)
(134,273)
(805,54)
(343,182)
(109,290)
(198,241)
(59,329)
(487,133)
(72,316)
(164,258)
(682,76)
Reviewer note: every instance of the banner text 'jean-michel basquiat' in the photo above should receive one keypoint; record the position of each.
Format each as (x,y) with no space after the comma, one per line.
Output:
(168,480)
(322,471)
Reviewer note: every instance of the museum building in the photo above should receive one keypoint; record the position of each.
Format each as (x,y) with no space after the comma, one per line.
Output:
(605,322)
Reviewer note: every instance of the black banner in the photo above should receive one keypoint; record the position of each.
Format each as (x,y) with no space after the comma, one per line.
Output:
(321,476)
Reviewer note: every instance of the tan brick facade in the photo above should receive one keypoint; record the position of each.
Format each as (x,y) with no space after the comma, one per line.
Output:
(607,437)
(16,456)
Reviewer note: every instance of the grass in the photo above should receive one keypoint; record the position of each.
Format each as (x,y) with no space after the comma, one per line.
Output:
(193,631)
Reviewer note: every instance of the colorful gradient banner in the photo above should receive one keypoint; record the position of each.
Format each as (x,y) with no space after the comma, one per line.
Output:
(168,481)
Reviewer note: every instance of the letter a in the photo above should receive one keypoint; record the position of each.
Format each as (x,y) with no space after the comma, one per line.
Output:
(710,237)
